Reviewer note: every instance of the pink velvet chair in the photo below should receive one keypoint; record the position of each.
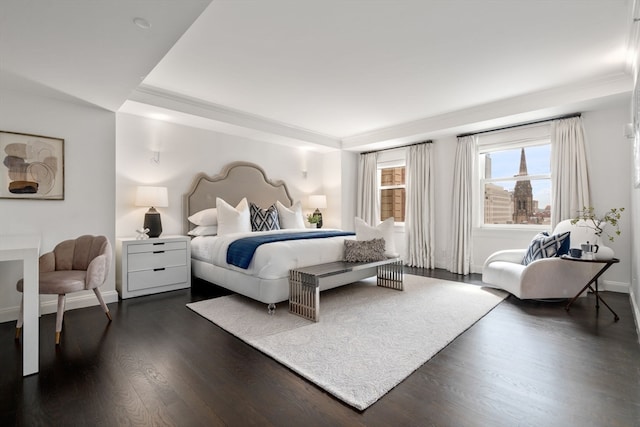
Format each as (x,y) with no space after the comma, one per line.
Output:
(72,266)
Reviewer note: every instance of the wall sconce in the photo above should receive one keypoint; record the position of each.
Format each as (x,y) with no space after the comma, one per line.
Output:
(155,157)
(152,197)
(303,162)
(319,202)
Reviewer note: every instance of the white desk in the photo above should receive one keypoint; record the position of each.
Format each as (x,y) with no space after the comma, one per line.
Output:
(27,250)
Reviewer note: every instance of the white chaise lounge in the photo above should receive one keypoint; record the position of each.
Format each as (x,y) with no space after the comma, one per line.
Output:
(546,278)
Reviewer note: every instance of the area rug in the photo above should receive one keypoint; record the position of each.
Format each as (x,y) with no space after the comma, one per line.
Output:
(368,338)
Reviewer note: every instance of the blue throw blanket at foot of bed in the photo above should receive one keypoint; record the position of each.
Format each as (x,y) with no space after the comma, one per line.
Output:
(240,252)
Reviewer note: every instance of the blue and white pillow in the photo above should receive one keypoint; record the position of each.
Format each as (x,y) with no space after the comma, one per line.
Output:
(264,219)
(545,246)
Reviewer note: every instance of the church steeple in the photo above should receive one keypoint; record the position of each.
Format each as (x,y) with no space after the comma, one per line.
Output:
(523,164)
(522,195)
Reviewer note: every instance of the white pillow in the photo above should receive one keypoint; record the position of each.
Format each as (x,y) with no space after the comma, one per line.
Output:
(205,217)
(385,230)
(290,218)
(204,230)
(233,220)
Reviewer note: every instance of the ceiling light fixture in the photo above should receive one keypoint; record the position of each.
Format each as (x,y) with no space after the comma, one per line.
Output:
(142,23)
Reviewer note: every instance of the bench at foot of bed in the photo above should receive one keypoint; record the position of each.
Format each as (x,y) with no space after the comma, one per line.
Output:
(305,282)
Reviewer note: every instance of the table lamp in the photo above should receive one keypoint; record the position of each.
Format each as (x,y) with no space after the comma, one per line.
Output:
(319,202)
(152,197)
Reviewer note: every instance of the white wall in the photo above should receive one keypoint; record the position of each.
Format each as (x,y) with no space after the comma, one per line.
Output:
(349,166)
(89,135)
(186,151)
(332,184)
(609,170)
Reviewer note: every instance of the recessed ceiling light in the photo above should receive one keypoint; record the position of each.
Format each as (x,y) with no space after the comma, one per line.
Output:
(142,23)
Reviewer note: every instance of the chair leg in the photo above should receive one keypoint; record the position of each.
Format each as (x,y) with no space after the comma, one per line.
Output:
(59,316)
(20,319)
(102,304)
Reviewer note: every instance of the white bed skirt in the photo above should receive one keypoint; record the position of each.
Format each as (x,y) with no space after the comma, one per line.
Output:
(264,290)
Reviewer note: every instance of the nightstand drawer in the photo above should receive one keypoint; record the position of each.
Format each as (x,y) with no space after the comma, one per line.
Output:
(151,260)
(154,247)
(155,278)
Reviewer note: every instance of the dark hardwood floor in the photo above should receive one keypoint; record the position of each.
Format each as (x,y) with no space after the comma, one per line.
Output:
(159,363)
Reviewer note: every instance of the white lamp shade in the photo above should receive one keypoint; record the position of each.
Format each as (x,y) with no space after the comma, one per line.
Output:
(152,196)
(318,201)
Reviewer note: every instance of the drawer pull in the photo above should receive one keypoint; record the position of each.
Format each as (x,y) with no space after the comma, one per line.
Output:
(158,269)
(156,244)
(158,252)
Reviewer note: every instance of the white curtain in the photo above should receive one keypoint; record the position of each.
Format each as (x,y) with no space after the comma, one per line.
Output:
(368,204)
(420,216)
(569,172)
(461,209)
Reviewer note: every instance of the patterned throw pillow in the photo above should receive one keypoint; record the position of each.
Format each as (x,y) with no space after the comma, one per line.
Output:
(545,246)
(264,219)
(364,250)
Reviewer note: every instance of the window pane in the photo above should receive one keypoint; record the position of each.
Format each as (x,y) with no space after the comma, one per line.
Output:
(392,200)
(518,202)
(508,163)
(392,204)
(392,176)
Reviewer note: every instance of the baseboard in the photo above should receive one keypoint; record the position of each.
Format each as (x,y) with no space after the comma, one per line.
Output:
(476,268)
(609,285)
(10,314)
(635,310)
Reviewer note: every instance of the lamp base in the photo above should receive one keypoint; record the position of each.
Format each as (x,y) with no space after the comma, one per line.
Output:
(152,222)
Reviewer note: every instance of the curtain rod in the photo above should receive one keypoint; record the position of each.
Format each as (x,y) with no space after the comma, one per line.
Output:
(396,148)
(520,125)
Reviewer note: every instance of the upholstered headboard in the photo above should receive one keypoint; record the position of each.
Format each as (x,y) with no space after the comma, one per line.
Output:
(237,180)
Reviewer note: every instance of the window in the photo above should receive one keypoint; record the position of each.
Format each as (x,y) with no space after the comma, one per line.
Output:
(392,193)
(515,182)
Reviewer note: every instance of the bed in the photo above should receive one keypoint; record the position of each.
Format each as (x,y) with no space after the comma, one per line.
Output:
(266,277)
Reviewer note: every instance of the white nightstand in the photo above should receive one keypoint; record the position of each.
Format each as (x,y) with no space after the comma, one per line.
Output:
(154,265)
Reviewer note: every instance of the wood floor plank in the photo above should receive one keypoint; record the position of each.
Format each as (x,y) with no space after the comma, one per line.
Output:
(158,363)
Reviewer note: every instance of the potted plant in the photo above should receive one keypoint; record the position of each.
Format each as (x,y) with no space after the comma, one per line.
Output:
(598,223)
(314,219)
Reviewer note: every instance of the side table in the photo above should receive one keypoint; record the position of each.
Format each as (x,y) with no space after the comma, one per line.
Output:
(154,265)
(606,263)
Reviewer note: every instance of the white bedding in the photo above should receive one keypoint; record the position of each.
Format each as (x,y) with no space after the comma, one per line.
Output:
(271,260)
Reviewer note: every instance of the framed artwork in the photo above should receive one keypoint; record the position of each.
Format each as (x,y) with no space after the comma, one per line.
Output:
(32,167)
